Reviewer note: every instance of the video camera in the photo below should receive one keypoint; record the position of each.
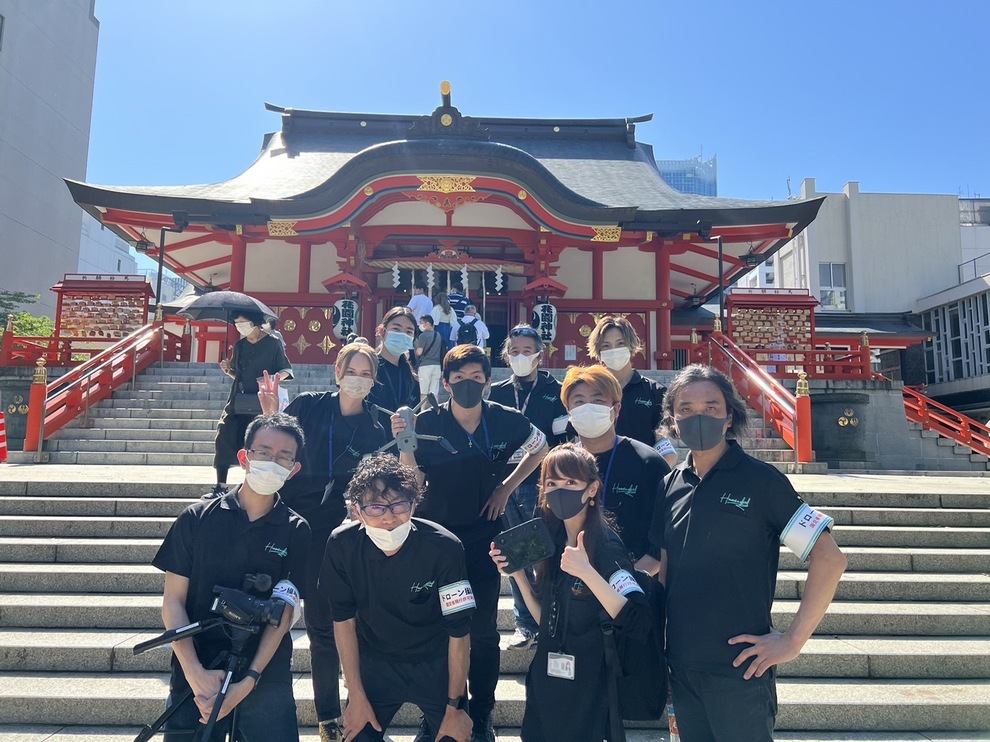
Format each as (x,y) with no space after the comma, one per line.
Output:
(242,609)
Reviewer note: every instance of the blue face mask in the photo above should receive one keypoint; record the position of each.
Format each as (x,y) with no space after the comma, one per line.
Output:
(397,343)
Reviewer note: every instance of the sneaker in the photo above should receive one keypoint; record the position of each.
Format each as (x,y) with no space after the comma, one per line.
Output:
(483,731)
(522,639)
(330,732)
(423,735)
(219,490)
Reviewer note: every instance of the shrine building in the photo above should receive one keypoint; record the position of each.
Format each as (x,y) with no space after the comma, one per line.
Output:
(341,213)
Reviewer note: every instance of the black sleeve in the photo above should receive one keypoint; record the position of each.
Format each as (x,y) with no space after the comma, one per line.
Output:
(297,563)
(335,581)
(657,523)
(280,361)
(176,552)
(636,617)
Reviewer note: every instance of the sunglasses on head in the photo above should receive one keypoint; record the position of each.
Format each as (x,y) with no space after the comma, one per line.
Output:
(529,332)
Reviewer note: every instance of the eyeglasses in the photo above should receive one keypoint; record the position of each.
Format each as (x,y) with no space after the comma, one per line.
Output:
(286,461)
(524,332)
(396,508)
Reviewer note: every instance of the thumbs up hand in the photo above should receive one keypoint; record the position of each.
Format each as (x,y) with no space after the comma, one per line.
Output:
(574,560)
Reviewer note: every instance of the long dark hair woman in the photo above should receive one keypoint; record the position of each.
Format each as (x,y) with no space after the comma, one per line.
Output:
(590,575)
(397,384)
(254,354)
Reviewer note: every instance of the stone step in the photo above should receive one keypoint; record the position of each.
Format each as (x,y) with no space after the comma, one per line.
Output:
(105,650)
(95,506)
(876,705)
(99,458)
(146,423)
(78,550)
(136,434)
(868,516)
(63,445)
(909,536)
(118,482)
(848,618)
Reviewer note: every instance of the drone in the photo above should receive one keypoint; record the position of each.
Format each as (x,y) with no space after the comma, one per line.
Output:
(408,440)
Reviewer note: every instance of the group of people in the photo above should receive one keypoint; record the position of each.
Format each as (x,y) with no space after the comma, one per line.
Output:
(395,560)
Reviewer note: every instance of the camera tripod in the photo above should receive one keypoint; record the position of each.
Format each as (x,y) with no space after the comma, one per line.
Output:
(239,636)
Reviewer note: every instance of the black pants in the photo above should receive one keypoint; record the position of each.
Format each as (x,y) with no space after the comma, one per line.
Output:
(716,708)
(390,683)
(228,441)
(267,714)
(486,584)
(319,628)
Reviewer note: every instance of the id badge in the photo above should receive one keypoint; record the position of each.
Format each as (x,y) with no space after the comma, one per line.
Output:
(560,666)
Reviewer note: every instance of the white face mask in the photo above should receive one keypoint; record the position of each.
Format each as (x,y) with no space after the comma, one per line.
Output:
(523,365)
(591,420)
(388,540)
(266,477)
(244,328)
(356,387)
(615,358)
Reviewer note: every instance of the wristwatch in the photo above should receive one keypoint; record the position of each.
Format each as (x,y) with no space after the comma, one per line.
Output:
(253,674)
(458,702)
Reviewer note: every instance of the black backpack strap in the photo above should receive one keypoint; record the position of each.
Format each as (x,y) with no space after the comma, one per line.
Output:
(612,671)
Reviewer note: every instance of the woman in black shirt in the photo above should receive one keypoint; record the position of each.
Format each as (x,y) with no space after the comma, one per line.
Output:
(397,385)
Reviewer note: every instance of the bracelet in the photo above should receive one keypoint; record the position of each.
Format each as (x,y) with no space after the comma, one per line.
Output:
(253,674)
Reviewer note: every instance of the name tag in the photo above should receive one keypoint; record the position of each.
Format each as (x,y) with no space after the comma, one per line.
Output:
(560,666)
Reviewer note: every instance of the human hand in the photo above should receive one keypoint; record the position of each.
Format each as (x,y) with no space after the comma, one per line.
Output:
(398,424)
(496,503)
(357,716)
(205,682)
(268,393)
(456,724)
(501,562)
(767,650)
(236,692)
(574,560)
(225,365)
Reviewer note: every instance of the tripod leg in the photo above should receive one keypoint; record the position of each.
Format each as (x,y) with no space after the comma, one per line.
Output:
(218,701)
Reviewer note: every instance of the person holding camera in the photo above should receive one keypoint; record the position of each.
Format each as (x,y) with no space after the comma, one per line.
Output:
(566,693)
(402,607)
(467,491)
(340,430)
(215,543)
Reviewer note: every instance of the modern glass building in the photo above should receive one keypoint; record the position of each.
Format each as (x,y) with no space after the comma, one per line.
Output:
(696,176)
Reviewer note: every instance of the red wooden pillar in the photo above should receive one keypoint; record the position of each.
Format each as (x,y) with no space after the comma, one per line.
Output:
(305,266)
(665,345)
(238,262)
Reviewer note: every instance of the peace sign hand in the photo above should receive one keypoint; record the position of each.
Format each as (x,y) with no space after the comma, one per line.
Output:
(268,393)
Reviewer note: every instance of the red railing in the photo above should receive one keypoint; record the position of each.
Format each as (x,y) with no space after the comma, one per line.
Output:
(946,421)
(57,350)
(54,405)
(786,413)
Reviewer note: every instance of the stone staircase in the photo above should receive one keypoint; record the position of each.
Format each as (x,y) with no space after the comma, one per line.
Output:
(905,647)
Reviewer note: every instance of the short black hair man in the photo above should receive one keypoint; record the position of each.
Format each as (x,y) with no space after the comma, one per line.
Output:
(402,607)
(467,491)
(720,573)
(248,530)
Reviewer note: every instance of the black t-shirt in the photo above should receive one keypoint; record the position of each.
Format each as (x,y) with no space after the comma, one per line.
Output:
(458,485)
(539,401)
(396,387)
(722,535)
(407,604)
(251,360)
(642,408)
(212,542)
(632,473)
(354,436)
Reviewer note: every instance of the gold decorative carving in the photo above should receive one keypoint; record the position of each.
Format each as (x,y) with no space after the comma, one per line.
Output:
(585,330)
(328,312)
(314,326)
(327,344)
(522,195)
(446,119)
(607,234)
(281,229)
(239,229)
(301,343)
(551,349)
(303,311)
(290,325)
(447,183)
(543,229)
(446,202)
(368,190)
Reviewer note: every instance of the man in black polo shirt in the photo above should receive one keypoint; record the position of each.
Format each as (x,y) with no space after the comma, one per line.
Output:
(718,534)
(248,530)
(402,607)
(632,473)
(467,491)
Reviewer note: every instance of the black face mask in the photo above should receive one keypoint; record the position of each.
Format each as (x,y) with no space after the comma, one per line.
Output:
(467,392)
(565,503)
(701,432)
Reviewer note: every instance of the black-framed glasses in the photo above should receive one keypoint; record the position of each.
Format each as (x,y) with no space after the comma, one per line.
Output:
(286,461)
(377,511)
(524,331)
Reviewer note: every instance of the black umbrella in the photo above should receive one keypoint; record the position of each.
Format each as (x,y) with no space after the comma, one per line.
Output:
(224,306)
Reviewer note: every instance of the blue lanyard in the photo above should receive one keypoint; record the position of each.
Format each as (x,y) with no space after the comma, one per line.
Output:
(488,441)
(398,395)
(608,468)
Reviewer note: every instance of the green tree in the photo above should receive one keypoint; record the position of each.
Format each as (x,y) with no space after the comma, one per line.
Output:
(27,325)
(11,300)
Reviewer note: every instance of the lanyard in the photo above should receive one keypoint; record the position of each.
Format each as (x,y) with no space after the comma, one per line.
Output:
(488,441)
(608,468)
(398,395)
(525,404)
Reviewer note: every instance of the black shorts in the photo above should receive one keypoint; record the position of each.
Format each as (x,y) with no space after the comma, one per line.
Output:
(717,708)
(388,684)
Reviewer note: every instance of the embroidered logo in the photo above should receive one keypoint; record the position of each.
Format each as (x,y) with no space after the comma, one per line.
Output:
(416,587)
(629,490)
(740,502)
(271,548)
(499,446)
(550,397)
(645,401)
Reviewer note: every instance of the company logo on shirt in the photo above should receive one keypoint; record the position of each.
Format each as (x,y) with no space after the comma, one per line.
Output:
(271,548)
(629,490)
(416,587)
(645,401)
(550,397)
(740,502)
(499,446)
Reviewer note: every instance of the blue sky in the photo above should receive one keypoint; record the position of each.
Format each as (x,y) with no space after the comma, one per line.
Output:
(889,93)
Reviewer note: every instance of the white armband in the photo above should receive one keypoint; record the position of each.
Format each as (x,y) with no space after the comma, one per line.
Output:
(455,597)
(624,583)
(803,530)
(664,447)
(536,441)
(287,593)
